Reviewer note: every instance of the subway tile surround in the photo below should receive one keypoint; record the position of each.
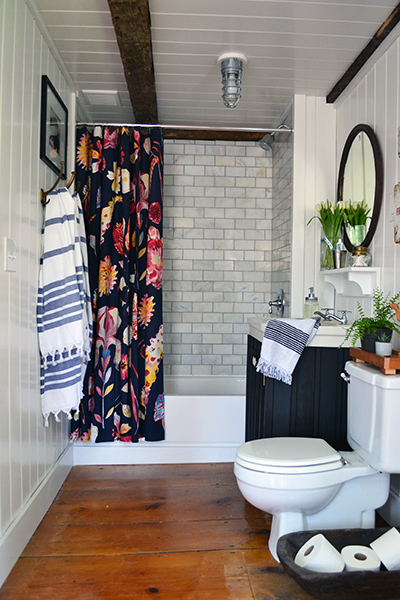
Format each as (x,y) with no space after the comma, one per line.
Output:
(282,201)
(218,232)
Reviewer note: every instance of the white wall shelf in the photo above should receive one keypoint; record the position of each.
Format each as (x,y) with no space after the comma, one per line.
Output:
(350,281)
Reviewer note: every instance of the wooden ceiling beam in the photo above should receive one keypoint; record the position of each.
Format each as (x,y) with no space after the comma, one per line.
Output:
(131,20)
(171,133)
(365,54)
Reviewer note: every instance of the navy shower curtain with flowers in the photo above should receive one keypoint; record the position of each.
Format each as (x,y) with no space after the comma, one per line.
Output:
(120,175)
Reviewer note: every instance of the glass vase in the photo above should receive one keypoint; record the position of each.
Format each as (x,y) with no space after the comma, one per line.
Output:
(356,234)
(360,257)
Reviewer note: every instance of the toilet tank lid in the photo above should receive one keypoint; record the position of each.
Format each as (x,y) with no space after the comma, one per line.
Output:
(288,451)
(372,375)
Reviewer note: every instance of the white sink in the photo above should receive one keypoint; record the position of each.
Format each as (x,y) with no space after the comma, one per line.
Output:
(330,334)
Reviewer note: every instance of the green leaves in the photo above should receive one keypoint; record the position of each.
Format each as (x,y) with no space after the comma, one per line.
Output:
(331,218)
(356,214)
(383,317)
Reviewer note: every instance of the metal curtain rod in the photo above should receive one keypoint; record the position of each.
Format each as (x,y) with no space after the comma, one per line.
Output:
(187,127)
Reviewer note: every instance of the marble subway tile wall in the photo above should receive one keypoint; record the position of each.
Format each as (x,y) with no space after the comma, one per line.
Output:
(217,252)
(282,202)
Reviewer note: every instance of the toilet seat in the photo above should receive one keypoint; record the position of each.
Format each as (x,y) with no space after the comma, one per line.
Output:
(288,455)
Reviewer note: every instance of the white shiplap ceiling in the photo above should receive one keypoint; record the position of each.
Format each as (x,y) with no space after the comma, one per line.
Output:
(292,46)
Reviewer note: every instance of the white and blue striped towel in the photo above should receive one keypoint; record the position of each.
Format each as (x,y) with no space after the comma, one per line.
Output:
(283,343)
(64,316)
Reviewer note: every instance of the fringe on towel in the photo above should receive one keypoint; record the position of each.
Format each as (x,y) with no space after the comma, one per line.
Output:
(273,371)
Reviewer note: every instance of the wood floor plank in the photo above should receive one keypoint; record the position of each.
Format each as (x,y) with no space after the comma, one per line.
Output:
(174,532)
(79,540)
(128,476)
(145,504)
(171,576)
(268,578)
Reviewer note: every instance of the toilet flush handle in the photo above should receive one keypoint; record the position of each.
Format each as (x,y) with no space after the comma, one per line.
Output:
(345,376)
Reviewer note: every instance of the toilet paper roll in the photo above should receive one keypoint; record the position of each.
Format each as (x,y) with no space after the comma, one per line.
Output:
(320,556)
(360,558)
(387,547)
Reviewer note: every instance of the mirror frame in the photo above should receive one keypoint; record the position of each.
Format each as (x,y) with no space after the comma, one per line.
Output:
(378,180)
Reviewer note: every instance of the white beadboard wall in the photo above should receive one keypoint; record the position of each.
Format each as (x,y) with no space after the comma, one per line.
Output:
(33,459)
(375,100)
(314,181)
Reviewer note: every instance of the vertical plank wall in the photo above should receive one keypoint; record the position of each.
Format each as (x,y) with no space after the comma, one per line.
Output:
(313,182)
(375,101)
(28,450)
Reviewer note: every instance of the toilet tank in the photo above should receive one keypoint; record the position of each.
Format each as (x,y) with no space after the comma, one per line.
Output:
(373,412)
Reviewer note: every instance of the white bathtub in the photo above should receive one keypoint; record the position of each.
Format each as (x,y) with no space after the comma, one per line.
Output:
(205,416)
(204,422)
(215,385)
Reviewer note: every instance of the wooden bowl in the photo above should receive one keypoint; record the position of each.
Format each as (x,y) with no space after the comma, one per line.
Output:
(365,585)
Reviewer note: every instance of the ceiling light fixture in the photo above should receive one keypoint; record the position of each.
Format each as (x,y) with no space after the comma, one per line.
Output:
(232,65)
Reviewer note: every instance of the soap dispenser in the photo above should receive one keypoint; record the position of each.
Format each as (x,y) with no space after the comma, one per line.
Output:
(310,304)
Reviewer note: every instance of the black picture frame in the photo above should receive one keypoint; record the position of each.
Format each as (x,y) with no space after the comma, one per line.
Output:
(53,128)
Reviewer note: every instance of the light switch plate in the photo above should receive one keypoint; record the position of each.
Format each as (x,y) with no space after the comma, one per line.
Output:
(10,255)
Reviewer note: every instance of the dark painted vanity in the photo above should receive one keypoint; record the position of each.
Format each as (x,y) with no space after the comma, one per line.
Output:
(315,405)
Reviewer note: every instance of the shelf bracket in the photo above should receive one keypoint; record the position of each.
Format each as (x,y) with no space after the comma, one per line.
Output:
(351,281)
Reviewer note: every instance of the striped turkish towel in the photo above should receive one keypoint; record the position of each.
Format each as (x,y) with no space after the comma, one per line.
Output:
(283,343)
(64,317)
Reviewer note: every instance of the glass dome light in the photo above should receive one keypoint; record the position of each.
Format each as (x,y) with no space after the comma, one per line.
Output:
(231,70)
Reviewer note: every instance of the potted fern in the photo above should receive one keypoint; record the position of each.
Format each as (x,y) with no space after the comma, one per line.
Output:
(368,329)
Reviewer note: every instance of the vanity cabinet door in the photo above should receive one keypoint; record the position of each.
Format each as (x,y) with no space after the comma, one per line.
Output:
(315,405)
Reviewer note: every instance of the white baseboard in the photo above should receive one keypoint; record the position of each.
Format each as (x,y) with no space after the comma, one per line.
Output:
(24,525)
(150,453)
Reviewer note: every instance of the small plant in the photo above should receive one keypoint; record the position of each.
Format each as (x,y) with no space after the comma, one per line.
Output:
(384,337)
(383,317)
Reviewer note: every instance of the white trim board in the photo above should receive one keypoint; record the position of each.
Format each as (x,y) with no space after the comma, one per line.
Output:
(23,527)
(151,453)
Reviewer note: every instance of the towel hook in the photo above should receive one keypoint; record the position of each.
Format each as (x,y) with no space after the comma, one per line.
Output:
(43,194)
(70,182)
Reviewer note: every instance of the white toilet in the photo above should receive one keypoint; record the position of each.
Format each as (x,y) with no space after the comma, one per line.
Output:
(306,484)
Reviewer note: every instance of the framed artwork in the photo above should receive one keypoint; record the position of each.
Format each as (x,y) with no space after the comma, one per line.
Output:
(53,128)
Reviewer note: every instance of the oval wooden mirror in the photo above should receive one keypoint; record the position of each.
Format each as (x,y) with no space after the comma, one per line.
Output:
(361,176)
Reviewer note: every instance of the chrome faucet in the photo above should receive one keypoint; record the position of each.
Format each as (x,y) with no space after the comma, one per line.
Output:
(279,304)
(330,316)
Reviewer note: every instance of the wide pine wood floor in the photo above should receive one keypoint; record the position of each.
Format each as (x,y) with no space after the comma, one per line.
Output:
(172,532)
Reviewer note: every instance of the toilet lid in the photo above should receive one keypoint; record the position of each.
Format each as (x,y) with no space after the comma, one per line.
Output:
(286,452)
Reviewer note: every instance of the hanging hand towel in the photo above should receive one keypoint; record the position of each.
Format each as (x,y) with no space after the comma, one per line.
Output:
(284,341)
(63,315)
